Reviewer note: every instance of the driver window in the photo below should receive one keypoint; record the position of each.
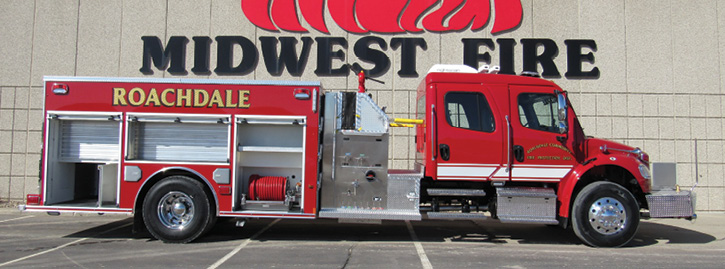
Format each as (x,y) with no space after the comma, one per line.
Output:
(538,111)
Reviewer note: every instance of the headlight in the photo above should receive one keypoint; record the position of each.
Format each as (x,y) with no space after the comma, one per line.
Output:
(644,171)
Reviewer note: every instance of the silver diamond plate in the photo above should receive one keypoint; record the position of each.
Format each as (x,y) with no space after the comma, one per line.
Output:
(456,192)
(526,205)
(370,118)
(454,215)
(387,214)
(671,204)
(404,190)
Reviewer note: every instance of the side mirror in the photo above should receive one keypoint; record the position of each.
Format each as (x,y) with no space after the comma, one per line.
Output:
(562,112)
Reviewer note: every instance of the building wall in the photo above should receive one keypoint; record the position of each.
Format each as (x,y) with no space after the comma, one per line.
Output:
(660,88)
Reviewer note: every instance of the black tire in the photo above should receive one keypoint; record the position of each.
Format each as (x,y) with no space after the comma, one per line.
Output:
(186,213)
(605,214)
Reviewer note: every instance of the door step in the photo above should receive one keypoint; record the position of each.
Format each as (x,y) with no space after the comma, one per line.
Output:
(456,192)
(456,216)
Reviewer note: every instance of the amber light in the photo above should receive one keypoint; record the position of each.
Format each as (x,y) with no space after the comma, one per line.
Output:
(32,199)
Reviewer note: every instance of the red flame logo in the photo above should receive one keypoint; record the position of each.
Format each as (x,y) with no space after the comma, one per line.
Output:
(383,16)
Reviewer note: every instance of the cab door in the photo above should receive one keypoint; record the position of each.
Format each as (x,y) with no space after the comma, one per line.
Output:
(539,150)
(470,131)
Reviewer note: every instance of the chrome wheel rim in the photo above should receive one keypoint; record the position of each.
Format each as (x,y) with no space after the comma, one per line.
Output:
(607,216)
(176,210)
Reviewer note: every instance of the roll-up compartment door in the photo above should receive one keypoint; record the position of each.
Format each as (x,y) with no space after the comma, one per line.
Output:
(174,139)
(82,140)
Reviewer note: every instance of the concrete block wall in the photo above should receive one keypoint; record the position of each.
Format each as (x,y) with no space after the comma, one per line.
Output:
(660,88)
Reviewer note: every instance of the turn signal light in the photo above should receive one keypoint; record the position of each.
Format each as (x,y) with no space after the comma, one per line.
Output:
(32,199)
(225,190)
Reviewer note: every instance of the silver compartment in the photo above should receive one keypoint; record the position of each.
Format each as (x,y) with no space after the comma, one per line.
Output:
(671,204)
(348,155)
(526,205)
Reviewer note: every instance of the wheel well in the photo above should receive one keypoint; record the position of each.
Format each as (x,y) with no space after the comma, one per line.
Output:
(611,173)
(163,174)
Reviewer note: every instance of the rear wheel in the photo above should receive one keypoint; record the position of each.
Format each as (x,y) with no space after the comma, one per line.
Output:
(605,214)
(177,210)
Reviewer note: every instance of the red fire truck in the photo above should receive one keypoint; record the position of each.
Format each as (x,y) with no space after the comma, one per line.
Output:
(180,153)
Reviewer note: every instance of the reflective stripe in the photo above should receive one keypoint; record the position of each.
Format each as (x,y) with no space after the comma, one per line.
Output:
(540,172)
(462,170)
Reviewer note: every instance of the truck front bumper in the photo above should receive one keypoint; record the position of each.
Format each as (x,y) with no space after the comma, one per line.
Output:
(671,204)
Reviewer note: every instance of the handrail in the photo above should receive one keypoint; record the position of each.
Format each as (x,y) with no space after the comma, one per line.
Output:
(508,145)
(433,141)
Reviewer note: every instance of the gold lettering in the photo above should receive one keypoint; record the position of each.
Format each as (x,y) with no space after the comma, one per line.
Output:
(183,95)
(230,100)
(243,99)
(164,100)
(153,98)
(216,99)
(132,94)
(201,98)
(119,97)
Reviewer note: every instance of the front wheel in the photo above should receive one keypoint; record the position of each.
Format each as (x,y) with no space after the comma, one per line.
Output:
(177,210)
(605,214)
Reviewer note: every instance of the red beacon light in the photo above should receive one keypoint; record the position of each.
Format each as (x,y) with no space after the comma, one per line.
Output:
(361,82)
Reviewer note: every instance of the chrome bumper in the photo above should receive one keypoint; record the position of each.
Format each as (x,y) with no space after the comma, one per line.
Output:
(671,204)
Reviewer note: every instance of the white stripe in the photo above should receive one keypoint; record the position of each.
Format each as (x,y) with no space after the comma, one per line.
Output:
(469,164)
(542,166)
(241,246)
(536,179)
(462,178)
(466,171)
(24,217)
(61,246)
(501,173)
(418,247)
(539,172)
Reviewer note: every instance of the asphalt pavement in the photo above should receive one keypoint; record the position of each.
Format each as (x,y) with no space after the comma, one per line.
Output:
(38,240)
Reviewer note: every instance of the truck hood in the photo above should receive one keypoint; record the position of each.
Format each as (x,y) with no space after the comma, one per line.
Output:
(594,146)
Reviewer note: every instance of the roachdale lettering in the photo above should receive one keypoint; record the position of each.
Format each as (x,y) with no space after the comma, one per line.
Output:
(170,97)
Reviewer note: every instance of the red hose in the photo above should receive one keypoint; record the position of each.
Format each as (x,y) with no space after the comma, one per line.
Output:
(267,188)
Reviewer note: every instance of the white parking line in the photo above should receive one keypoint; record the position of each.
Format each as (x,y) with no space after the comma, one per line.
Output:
(62,246)
(24,217)
(418,247)
(241,246)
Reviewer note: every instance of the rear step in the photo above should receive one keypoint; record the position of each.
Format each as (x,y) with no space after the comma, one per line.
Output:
(456,192)
(456,216)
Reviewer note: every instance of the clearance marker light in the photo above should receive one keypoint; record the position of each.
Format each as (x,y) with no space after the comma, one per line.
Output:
(60,89)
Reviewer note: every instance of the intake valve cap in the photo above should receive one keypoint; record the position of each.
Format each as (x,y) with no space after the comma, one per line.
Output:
(370,175)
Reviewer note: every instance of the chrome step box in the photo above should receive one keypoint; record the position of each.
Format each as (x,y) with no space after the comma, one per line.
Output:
(526,205)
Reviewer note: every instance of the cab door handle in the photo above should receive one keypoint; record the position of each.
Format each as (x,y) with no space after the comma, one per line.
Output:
(445,152)
(519,153)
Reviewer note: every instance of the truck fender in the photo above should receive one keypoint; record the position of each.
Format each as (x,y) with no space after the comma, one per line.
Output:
(575,180)
(158,175)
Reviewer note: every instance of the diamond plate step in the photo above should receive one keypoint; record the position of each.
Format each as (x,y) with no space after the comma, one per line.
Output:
(456,192)
(456,215)
(531,220)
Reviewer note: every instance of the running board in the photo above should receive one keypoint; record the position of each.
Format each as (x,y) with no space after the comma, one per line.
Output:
(456,216)
(528,220)
(370,214)
(456,192)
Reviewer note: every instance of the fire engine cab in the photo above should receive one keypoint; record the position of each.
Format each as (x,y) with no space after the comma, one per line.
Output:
(180,153)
